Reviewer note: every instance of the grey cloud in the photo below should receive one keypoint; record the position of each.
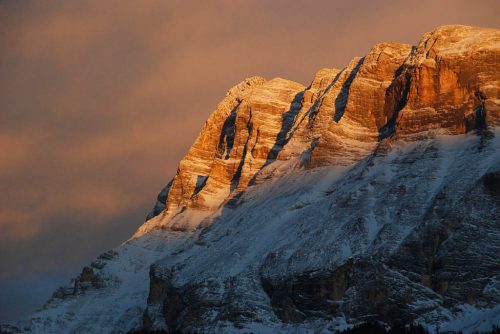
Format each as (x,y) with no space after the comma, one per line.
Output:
(100,99)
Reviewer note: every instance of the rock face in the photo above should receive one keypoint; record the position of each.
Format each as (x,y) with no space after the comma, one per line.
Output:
(448,82)
(370,195)
(241,136)
(452,81)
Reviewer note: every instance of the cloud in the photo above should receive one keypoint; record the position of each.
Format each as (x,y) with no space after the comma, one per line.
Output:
(17,225)
(100,100)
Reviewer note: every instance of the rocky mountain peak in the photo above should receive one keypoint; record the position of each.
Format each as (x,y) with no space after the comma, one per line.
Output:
(447,83)
(370,195)
(238,91)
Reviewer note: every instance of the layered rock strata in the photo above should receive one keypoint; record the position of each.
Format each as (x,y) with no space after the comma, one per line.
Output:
(370,195)
(447,83)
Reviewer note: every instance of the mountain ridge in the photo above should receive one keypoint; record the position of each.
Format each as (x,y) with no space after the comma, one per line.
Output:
(379,86)
(370,194)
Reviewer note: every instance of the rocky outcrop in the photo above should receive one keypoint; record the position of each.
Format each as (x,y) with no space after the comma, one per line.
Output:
(370,195)
(88,279)
(407,236)
(447,83)
(452,80)
(215,140)
(245,132)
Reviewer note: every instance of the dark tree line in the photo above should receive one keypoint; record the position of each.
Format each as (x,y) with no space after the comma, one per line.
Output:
(375,328)
(366,328)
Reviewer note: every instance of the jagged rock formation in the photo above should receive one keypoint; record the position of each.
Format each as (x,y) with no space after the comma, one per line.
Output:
(448,82)
(238,139)
(371,194)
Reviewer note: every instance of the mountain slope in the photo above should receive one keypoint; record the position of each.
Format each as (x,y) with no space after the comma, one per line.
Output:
(371,194)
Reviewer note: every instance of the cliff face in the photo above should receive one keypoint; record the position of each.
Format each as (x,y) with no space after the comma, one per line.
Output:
(447,83)
(370,195)
(243,134)
(452,81)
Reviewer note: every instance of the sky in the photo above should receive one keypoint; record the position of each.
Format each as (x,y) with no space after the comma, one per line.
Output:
(99,100)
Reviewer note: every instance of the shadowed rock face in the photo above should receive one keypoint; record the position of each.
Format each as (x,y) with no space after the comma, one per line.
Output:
(370,195)
(243,134)
(448,82)
(203,159)
(453,81)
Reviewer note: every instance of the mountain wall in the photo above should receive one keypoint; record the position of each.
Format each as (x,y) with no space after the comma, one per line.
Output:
(373,194)
(448,82)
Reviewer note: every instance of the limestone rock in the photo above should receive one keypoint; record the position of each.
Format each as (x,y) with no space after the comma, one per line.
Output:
(452,80)
(243,134)
(370,195)
(448,83)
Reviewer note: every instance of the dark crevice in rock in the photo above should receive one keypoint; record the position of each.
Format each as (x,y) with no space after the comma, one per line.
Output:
(237,175)
(343,96)
(161,202)
(477,120)
(201,181)
(285,134)
(226,139)
(287,122)
(313,110)
(396,98)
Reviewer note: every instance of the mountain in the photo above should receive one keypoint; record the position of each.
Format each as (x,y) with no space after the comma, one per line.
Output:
(373,194)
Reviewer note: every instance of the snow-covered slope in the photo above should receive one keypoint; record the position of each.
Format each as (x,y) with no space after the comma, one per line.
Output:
(410,234)
(373,194)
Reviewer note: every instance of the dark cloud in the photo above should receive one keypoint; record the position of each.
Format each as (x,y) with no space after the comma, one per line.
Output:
(100,99)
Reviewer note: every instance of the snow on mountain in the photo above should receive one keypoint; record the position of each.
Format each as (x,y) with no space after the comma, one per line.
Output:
(373,194)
